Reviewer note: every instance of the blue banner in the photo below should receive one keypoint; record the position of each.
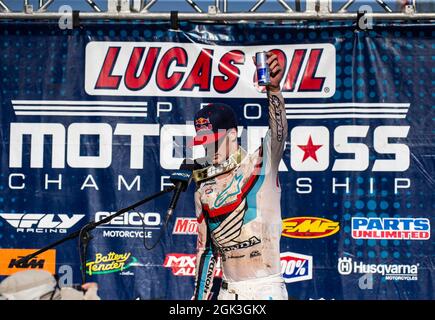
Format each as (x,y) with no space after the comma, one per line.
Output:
(97,118)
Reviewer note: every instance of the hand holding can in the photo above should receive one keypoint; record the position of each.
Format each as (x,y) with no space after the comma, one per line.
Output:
(263,72)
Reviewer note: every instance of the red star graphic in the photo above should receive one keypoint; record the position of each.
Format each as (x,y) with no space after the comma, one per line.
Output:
(310,149)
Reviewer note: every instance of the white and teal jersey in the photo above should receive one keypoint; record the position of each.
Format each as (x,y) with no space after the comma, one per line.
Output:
(239,213)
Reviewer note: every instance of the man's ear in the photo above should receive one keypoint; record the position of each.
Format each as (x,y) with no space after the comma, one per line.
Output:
(232,134)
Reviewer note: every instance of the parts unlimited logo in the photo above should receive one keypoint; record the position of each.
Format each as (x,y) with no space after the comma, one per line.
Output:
(309,227)
(407,272)
(391,228)
(110,263)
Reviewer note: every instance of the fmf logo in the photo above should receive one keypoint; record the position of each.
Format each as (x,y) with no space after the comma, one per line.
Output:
(309,227)
(407,272)
(185,264)
(40,222)
(391,228)
(111,262)
(186,226)
(296,267)
(180,69)
(9,261)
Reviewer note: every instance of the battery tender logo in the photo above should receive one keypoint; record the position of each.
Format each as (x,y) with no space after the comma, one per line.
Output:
(347,266)
(391,228)
(111,262)
(309,227)
(296,267)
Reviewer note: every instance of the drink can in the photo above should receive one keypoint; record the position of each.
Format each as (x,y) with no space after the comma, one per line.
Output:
(263,72)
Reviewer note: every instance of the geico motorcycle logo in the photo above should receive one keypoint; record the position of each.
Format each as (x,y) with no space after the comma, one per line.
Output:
(40,222)
(111,262)
(181,69)
(183,264)
(296,267)
(185,226)
(129,225)
(407,272)
(391,228)
(10,261)
(309,227)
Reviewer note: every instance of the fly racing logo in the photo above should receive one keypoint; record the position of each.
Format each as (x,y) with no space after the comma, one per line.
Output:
(40,222)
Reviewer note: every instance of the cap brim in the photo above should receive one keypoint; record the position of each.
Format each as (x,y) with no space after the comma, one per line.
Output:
(204,139)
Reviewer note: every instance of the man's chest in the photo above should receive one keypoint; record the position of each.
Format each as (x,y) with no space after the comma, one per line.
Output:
(225,193)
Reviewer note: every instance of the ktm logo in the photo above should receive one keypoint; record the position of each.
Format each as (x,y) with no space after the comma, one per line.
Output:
(31,264)
(309,227)
(10,261)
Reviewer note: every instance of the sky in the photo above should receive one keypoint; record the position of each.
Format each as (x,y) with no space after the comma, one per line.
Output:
(183,6)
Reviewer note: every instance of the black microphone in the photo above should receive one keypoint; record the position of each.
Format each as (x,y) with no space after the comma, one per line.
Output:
(181,179)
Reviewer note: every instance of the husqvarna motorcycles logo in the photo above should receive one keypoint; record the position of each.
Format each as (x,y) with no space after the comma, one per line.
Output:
(344,266)
(395,272)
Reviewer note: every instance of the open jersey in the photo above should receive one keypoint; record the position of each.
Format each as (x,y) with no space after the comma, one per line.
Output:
(239,213)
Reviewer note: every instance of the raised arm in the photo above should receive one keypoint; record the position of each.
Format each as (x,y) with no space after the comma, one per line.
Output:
(278,128)
(274,142)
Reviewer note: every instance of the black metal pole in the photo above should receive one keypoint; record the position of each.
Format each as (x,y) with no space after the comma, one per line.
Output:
(92,225)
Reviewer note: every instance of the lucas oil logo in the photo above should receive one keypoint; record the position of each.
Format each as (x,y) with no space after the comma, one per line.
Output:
(309,227)
(181,69)
(111,262)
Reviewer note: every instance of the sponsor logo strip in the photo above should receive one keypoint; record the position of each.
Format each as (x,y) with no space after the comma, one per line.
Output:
(309,227)
(9,261)
(391,228)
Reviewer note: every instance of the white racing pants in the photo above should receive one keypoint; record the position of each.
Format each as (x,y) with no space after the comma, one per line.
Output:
(267,288)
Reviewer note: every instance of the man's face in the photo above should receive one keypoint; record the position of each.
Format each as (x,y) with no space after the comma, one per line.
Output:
(220,150)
